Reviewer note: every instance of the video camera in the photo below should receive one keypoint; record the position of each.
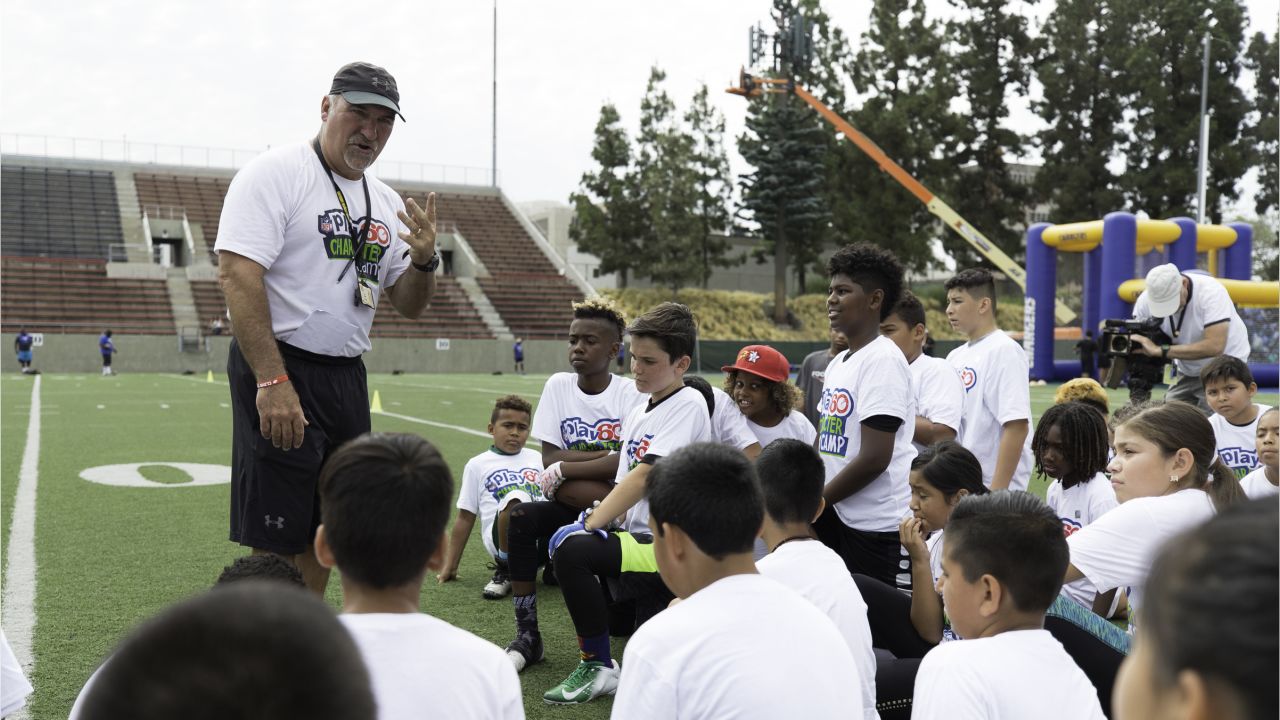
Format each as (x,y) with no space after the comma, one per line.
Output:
(1120,356)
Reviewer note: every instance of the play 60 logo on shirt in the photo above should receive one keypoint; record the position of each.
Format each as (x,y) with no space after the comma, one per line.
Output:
(339,240)
(603,434)
(501,483)
(968,378)
(636,450)
(836,405)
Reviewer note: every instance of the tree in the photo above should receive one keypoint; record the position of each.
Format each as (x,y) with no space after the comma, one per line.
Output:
(1165,70)
(903,72)
(667,186)
(991,47)
(1264,130)
(606,216)
(710,167)
(1080,65)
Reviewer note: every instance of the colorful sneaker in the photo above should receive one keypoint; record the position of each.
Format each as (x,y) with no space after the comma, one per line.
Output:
(500,586)
(525,650)
(588,681)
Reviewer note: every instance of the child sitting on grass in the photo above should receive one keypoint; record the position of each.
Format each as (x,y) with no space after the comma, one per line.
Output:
(493,483)
(1229,388)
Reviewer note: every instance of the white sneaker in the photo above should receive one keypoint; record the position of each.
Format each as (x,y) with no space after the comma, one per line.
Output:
(499,586)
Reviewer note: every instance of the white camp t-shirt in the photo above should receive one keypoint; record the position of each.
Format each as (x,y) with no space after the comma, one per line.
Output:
(281,212)
(1078,506)
(728,424)
(491,480)
(1118,548)
(934,545)
(571,419)
(1016,674)
(744,646)
(1256,485)
(875,380)
(939,394)
(1207,305)
(14,686)
(422,666)
(1238,444)
(820,576)
(677,420)
(993,372)
(794,426)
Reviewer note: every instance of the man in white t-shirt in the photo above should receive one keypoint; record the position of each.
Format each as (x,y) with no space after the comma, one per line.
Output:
(1001,570)
(738,644)
(306,244)
(938,392)
(996,421)
(1197,313)
(662,344)
(868,417)
(417,663)
(791,478)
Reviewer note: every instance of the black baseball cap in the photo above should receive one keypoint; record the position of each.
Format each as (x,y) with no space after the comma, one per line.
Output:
(361,83)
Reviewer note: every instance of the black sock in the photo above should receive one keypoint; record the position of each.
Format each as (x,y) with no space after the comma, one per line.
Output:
(526,613)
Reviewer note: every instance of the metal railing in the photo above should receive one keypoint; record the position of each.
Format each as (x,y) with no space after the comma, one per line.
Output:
(197,156)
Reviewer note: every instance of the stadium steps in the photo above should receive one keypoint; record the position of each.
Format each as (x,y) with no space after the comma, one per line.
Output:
(131,218)
(487,312)
(182,302)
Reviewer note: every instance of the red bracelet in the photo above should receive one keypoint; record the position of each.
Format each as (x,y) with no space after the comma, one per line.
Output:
(273,381)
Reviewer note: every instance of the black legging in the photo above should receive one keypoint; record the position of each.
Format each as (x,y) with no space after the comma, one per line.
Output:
(889,614)
(580,561)
(530,526)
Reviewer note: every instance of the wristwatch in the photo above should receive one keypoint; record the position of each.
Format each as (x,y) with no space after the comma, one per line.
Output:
(430,266)
(1164,352)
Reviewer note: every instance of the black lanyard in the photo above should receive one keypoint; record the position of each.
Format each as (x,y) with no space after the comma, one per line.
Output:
(1176,330)
(363,234)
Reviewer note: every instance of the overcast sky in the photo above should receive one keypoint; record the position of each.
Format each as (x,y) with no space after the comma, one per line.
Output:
(247,75)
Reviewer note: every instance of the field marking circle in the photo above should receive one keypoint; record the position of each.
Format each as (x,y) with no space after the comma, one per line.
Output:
(129,475)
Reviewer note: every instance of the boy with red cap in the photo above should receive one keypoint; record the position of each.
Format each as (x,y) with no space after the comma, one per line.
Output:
(757,382)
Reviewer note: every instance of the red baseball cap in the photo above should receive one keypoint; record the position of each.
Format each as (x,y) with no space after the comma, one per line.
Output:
(763,361)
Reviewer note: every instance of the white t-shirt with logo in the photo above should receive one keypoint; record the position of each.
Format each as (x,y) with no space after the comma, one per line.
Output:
(939,394)
(1238,444)
(1015,674)
(934,545)
(993,372)
(1078,506)
(420,665)
(677,420)
(281,212)
(1256,485)
(821,577)
(1117,549)
(1208,304)
(729,425)
(875,380)
(493,479)
(745,646)
(794,426)
(571,419)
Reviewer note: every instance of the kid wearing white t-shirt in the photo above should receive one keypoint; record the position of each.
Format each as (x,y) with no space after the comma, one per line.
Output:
(757,382)
(999,576)
(996,422)
(728,424)
(1070,447)
(867,417)
(733,646)
(385,502)
(493,482)
(939,395)
(1229,388)
(1265,481)
(791,477)
(1166,480)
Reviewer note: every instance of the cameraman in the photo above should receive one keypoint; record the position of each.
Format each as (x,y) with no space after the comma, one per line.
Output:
(1198,314)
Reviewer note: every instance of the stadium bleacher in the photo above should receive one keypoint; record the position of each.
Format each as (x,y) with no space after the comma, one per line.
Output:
(75,295)
(58,212)
(201,196)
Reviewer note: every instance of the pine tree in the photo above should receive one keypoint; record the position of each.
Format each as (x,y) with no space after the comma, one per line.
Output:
(1084,46)
(1264,129)
(1165,69)
(710,166)
(606,216)
(667,187)
(903,71)
(991,63)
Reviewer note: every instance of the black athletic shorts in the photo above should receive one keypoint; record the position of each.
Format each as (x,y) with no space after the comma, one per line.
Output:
(275,504)
(874,554)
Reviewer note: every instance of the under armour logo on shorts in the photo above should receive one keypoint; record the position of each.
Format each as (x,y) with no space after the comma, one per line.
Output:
(278,523)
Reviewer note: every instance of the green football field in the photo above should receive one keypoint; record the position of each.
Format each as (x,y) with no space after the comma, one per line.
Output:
(109,556)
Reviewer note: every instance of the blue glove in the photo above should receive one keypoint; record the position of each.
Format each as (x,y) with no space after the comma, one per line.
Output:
(578,527)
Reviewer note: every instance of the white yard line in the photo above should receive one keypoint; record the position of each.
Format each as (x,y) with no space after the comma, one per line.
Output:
(446,426)
(19,615)
(433,386)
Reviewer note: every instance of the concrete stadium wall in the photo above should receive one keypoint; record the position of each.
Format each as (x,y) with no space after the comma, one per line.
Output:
(159,353)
